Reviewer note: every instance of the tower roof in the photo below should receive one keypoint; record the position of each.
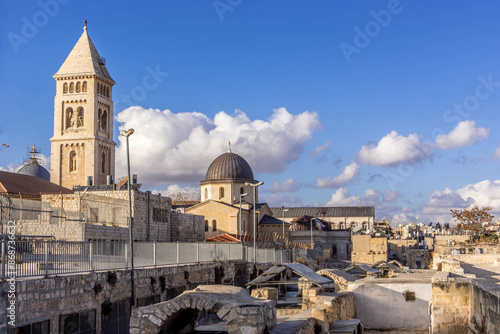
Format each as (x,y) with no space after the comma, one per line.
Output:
(84,59)
(33,168)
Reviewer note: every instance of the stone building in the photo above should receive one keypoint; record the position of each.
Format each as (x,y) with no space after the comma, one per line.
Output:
(228,177)
(82,146)
(367,249)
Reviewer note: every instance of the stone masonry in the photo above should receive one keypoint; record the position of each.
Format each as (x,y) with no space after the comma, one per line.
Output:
(242,313)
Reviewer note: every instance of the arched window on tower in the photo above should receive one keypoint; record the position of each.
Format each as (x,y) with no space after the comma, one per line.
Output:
(214,225)
(80,117)
(206,194)
(71,87)
(104,121)
(65,88)
(99,116)
(221,192)
(206,225)
(77,89)
(103,162)
(72,161)
(69,118)
(107,91)
(84,86)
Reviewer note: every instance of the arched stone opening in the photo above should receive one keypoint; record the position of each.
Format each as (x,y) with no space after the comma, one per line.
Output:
(234,306)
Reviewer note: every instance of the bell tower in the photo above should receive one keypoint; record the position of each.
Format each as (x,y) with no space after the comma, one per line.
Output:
(82,145)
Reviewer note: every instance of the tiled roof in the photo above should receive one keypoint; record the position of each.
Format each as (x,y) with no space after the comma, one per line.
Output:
(337,211)
(271,220)
(14,183)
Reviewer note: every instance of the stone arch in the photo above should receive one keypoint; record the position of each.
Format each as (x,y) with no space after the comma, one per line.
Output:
(104,121)
(69,117)
(233,305)
(221,192)
(78,87)
(206,225)
(65,88)
(103,163)
(79,122)
(72,161)
(84,87)
(107,91)
(214,225)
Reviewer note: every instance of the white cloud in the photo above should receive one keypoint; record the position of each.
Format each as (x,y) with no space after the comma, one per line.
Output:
(391,196)
(484,193)
(496,155)
(43,160)
(320,149)
(394,149)
(466,133)
(170,147)
(289,185)
(177,189)
(341,197)
(347,175)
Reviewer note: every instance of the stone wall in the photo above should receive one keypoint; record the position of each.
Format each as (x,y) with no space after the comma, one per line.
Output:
(49,298)
(485,309)
(368,250)
(450,305)
(188,228)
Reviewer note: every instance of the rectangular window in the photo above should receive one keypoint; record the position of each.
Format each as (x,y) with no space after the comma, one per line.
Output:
(78,323)
(117,321)
(42,327)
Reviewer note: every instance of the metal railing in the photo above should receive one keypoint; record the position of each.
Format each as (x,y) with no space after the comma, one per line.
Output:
(43,258)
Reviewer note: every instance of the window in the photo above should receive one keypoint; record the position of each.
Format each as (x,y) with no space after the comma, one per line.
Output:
(221,192)
(65,88)
(206,225)
(80,117)
(84,87)
(72,161)
(341,226)
(99,116)
(104,121)
(78,323)
(69,118)
(241,190)
(42,327)
(103,162)
(77,89)
(107,91)
(206,194)
(71,87)
(117,321)
(214,225)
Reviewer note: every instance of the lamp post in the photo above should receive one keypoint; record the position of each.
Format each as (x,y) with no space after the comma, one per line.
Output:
(241,228)
(126,134)
(254,185)
(284,210)
(312,232)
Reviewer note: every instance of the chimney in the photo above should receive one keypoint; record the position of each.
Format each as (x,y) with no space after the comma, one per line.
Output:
(88,181)
(134,178)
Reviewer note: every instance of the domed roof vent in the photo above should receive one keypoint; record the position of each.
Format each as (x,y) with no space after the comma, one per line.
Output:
(229,166)
(33,168)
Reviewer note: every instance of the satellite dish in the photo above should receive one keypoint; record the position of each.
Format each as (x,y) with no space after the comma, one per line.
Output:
(357,228)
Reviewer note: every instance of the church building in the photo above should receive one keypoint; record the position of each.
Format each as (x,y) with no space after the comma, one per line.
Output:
(82,148)
(223,192)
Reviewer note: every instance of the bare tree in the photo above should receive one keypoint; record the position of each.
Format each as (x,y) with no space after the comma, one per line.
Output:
(472,219)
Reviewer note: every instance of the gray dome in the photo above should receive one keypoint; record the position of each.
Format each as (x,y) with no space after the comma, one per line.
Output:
(35,170)
(229,166)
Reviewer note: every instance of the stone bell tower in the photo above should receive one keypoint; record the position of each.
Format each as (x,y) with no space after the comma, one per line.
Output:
(83,144)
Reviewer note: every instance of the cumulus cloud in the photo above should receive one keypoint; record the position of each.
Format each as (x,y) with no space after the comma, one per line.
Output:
(395,149)
(179,147)
(281,199)
(341,197)
(496,155)
(484,193)
(175,189)
(287,186)
(317,151)
(347,175)
(43,160)
(466,133)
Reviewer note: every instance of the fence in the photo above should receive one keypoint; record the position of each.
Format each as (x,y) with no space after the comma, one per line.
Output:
(42,258)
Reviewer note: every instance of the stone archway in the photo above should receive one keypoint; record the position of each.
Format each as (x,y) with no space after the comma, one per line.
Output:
(241,312)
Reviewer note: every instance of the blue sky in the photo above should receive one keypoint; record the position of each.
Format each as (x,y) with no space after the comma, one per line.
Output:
(392,101)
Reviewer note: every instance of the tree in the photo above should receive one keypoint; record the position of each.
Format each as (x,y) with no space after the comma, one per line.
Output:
(472,219)
(184,196)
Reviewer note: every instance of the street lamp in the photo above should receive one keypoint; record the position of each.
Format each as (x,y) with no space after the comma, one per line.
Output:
(284,210)
(312,247)
(126,134)
(241,196)
(254,185)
